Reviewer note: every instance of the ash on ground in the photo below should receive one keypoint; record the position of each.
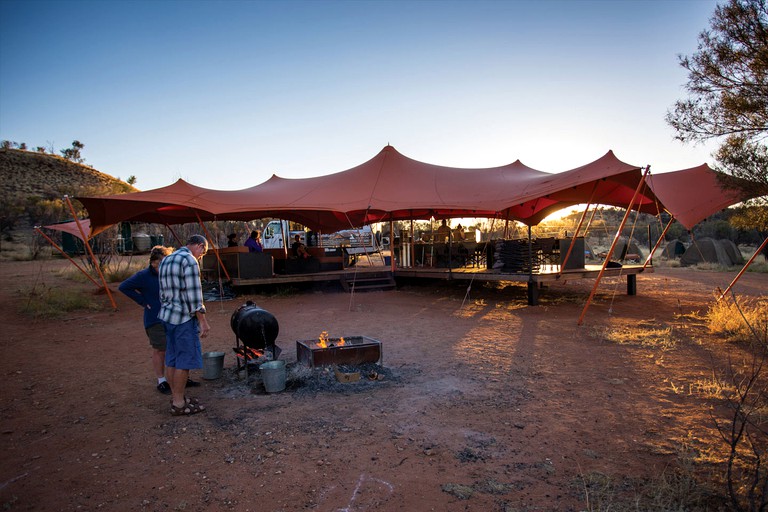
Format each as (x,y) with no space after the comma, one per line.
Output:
(303,380)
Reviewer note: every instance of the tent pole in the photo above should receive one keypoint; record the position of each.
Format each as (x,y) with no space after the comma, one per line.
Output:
(613,245)
(591,218)
(286,236)
(362,240)
(213,246)
(533,291)
(450,250)
(174,235)
(392,244)
(576,233)
(86,274)
(411,249)
(432,240)
(586,230)
(93,256)
(744,269)
(658,242)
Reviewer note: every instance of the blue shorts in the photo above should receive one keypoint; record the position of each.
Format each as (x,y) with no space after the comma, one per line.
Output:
(183,350)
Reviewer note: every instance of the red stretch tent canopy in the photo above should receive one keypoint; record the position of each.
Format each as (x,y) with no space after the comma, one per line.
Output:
(692,195)
(178,203)
(388,186)
(71,228)
(391,186)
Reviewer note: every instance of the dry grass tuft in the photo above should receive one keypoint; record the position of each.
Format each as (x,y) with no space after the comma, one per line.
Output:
(18,251)
(119,272)
(733,321)
(54,302)
(711,388)
(707,266)
(666,263)
(646,334)
(682,486)
(114,272)
(760,267)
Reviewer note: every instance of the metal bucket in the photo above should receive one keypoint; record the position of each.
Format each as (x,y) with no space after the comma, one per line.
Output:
(213,364)
(273,376)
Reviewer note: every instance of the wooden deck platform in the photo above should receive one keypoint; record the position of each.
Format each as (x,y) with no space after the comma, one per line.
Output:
(481,274)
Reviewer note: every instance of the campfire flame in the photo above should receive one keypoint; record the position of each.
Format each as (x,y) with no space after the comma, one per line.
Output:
(323,341)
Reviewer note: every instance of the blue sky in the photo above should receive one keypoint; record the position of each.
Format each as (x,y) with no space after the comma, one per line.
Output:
(226,93)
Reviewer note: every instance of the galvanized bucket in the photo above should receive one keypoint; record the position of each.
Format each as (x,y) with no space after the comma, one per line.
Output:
(273,376)
(213,365)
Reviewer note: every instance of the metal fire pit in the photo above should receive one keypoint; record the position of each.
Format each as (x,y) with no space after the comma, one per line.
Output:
(355,350)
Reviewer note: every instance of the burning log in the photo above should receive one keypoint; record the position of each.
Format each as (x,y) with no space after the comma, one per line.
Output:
(324,341)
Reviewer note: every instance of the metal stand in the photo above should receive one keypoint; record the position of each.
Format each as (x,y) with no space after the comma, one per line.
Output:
(274,350)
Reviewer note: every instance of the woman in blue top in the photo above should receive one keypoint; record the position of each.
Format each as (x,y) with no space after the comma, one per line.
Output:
(143,288)
(254,242)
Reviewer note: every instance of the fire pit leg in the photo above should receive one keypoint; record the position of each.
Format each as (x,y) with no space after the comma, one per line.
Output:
(237,347)
(244,363)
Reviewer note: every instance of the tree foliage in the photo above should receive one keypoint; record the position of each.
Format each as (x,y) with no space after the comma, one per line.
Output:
(728,90)
(74,153)
(750,217)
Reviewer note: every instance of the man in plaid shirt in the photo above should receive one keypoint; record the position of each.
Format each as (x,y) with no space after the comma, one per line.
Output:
(183,314)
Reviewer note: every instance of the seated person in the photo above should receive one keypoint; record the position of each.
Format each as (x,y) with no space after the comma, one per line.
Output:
(443,232)
(458,233)
(299,249)
(254,242)
(232,240)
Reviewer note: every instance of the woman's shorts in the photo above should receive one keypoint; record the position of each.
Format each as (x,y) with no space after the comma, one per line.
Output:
(156,335)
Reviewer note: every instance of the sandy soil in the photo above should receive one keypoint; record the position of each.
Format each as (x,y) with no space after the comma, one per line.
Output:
(488,404)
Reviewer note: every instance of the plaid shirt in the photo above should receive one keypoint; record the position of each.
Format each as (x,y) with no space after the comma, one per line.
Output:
(181,293)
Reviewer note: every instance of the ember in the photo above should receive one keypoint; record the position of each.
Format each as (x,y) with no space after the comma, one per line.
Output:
(247,353)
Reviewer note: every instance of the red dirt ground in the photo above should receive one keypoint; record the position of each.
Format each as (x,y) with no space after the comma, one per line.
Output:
(514,403)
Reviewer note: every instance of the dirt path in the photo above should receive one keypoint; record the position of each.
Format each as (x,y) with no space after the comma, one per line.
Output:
(489,406)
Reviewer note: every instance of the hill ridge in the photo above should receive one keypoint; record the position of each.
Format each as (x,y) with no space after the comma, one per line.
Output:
(28,174)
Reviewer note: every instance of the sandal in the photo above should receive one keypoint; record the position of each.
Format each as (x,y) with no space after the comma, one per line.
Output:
(187,410)
(189,400)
